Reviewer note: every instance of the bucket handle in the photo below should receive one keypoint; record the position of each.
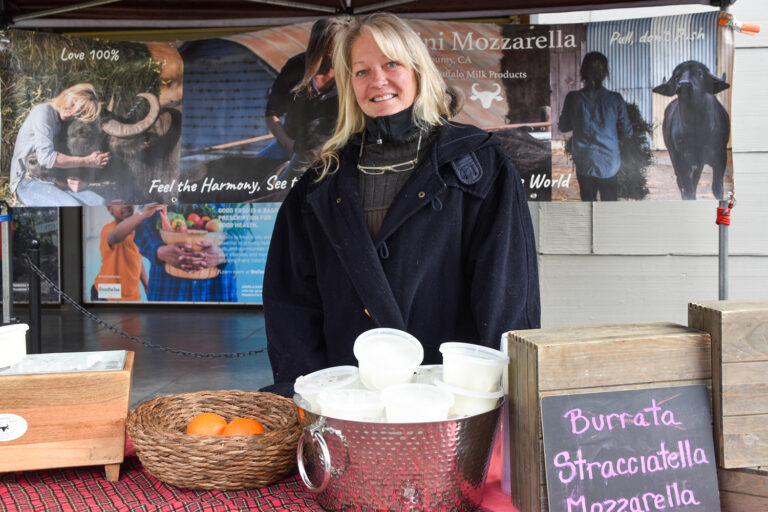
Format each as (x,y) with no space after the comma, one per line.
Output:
(315,434)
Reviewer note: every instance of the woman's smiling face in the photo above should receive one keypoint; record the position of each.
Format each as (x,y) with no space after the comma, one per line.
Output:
(382,86)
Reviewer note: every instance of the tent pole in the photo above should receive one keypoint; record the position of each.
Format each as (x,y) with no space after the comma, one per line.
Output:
(723,256)
(722,273)
(7,262)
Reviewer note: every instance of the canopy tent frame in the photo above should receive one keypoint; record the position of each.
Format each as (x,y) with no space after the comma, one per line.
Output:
(49,18)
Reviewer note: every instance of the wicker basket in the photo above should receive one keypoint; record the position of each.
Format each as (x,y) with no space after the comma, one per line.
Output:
(157,430)
(193,238)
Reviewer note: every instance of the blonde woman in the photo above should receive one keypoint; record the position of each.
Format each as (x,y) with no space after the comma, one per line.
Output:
(409,220)
(36,136)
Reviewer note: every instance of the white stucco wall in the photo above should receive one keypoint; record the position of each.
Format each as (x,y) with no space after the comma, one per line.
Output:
(636,262)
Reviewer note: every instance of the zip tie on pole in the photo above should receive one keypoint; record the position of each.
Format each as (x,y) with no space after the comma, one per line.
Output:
(727,20)
(724,214)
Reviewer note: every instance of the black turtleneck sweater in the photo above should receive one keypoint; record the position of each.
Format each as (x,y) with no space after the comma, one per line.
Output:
(387,140)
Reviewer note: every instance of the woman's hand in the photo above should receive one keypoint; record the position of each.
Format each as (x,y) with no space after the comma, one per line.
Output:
(96,159)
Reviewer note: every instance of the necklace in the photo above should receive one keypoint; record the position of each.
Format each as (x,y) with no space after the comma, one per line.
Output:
(408,165)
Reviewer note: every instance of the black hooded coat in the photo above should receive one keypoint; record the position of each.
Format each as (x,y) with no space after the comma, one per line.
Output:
(454,259)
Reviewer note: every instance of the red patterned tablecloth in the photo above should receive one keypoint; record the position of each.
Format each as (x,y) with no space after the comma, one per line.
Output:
(86,489)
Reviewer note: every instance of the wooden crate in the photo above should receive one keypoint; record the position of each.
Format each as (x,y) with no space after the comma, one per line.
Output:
(571,360)
(743,490)
(739,331)
(73,419)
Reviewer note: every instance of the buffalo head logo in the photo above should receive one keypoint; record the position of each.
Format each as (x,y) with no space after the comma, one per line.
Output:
(486,97)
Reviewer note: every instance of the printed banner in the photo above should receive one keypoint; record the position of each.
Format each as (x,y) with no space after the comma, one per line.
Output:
(633,109)
(129,255)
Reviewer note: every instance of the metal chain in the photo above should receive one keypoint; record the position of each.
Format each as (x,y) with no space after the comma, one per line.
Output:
(135,339)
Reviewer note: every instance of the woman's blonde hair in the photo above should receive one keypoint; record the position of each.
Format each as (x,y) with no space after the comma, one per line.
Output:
(321,43)
(85,101)
(398,41)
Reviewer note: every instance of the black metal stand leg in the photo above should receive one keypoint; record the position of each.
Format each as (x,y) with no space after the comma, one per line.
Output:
(35,318)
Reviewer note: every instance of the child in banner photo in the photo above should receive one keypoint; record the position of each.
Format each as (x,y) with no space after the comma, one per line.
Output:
(121,264)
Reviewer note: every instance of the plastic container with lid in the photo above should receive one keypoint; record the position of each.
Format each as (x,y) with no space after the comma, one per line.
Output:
(13,344)
(472,367)
(468,402)
(416,403)
(352,404)
(386,357)
(335,377)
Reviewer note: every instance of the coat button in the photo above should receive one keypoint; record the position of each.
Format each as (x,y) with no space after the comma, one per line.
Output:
(422,194)
(338,200)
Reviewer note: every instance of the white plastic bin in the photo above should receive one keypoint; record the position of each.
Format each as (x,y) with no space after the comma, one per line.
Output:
(13,344)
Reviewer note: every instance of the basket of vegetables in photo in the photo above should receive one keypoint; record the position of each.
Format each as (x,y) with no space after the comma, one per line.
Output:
(191,224)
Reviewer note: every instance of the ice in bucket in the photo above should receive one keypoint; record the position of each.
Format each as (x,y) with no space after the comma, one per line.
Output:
(416,403)
(335,377)
(472,367)
(13,344)
(386,357)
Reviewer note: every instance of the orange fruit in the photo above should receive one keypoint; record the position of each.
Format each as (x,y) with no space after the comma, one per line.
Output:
(243,427)
(206,424)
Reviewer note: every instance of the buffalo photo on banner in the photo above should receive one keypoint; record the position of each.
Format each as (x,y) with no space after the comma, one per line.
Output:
(618,110)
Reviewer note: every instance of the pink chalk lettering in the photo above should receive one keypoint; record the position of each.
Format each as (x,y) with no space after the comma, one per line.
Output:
(581,424)
(661,460)
(671,497)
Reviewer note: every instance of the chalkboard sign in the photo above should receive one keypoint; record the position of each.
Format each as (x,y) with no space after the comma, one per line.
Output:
(640,450)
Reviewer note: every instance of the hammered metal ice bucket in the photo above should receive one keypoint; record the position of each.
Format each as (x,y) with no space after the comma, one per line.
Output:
(438,466)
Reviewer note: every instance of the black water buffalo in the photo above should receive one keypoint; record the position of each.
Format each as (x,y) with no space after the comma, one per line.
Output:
(696,126)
